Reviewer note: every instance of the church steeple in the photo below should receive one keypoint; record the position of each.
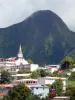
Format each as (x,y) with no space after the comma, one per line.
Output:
(20,54)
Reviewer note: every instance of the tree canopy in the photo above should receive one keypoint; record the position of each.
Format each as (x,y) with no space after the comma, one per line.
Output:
(19,92)
(58,87)
(70,91)
(67,62)
(43,73)
(34,74)
(5,77)
(23,71)
(72,76)
(30,61)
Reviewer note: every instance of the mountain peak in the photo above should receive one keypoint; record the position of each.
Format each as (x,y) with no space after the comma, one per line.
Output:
(44,37)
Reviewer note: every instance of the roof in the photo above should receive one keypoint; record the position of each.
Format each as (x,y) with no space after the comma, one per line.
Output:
(22,74)
(52,65)
(62,97)
(55,78)
(60,71)
(26,80)
(39,86)
(2,94)
(6,85)
(11,59)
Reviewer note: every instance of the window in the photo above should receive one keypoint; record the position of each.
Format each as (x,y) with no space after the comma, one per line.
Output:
(33,81)
(32,88)
(27,82)
(31,93)
(43,88)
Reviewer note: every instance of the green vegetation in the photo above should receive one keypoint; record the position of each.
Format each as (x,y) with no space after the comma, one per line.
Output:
(39,73)
(48,85)
(70,83)
(67,63)
(43,73)
(71,92)
(33,97)
(62,74)
(54,74)
(34,75)
(58,74)
(44,38)
(58,87)
(23,71)
(19,92)
(30,61)
(72,76)
(5,77)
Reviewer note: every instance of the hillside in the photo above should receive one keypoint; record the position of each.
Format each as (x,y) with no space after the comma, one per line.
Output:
(44,38)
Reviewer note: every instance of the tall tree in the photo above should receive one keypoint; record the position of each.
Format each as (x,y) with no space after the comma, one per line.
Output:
(67,62)
(34,74)
(43,73)
(58,86)
(19,92)
(5,77)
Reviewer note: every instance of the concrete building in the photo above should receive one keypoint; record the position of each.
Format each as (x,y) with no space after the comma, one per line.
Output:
(50,80)
(27,82)
(52,68)
(14,64)
(40,90)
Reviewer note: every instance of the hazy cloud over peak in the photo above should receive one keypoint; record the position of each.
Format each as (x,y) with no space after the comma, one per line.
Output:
(14,11)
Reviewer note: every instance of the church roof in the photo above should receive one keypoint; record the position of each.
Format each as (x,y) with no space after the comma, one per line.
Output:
(12,58)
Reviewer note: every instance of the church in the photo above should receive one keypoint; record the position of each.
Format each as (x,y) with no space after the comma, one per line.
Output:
(14,64)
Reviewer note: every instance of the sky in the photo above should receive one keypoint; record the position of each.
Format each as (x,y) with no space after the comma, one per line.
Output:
(15,11)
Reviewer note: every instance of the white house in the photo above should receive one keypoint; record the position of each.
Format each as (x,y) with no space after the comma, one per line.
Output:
(27,82)
(52,68)
(50,80)
(40,90)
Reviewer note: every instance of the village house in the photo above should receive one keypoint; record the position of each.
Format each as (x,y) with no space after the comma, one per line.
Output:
(50,80)
(40,90)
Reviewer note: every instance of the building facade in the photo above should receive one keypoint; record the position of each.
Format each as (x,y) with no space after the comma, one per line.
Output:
(52,68)
(41,90)
(51,80)
(14,64)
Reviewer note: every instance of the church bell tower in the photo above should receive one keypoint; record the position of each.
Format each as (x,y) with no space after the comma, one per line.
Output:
(21,59)
(20,54)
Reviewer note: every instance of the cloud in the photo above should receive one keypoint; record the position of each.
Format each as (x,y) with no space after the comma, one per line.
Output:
(14,11)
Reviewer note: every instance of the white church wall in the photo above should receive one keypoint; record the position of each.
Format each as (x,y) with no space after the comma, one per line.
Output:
(17,63)
(34,67)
